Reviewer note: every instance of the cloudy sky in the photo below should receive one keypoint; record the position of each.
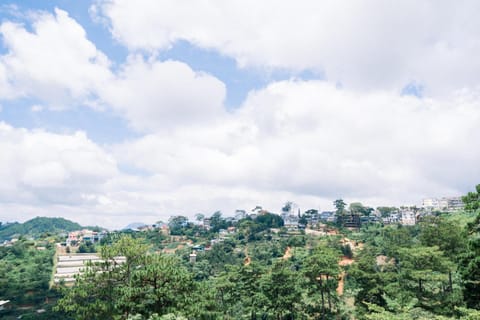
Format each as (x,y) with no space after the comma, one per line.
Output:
(113,111)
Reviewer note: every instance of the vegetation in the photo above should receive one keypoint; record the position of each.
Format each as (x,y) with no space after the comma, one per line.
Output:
(25,272)
(257,269)
(37,227)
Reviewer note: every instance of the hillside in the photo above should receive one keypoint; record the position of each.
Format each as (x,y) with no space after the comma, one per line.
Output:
(37,226)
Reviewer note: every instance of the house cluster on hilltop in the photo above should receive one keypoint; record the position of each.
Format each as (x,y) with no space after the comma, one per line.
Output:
(75,238)
(404,216)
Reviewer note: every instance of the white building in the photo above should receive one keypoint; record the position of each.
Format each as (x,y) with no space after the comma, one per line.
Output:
(407,218)
(443,204)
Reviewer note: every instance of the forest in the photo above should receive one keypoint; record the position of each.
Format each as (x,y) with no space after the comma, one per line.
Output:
(261,271)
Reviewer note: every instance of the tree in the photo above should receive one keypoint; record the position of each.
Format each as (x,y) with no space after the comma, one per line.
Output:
(86,247)
(268,220)
(321,271)
(199,217)
(470,265)
(25,273)
(217,222)
(472,200)
(159,285)
(176,224)
(280,288)
(371,278)
(287,207)
(144,284)
(428,275)
(340,206)
(438,231)
(360,209)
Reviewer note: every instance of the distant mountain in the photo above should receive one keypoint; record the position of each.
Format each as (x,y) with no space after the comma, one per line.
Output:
(134,225)
(36,227)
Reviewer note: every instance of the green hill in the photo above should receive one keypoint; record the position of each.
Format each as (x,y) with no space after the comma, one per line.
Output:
(36,227)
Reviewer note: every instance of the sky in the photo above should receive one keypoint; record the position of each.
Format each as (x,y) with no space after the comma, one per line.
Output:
(117,111)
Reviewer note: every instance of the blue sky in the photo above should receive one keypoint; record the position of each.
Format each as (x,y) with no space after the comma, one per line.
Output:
(106,127)
(111,108)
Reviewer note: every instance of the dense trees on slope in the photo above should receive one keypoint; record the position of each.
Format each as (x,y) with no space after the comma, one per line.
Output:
(149,284)
(25,272)
(470,264)
(427,271)
(36,227)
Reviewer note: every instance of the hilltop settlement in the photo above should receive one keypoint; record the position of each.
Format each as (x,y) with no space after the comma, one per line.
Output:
(355,262)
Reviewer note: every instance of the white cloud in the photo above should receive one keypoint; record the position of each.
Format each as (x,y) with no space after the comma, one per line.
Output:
(5,90)
(312,139)
(306,141)
(37,108)
(362,44)
(38,167)
(54,62)
(153,94)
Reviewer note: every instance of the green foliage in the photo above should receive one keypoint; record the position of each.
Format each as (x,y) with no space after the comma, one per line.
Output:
(404,268)
(37,226)
(268,220)
(470,265)
(176,224)
(144,284)
(217,222)
(427,271)
(371,279)
(438,231)
(360,209)
(221,254)
(280,287)
(472,199)
(258,228)
(339,206)
(87,247)
(408,313)
(321,271)
(25,273)
(287,206)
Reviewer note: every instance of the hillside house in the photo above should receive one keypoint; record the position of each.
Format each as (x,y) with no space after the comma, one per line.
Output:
(81,236)
(407,218)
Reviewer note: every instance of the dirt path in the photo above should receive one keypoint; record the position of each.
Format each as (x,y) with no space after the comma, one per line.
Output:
(247,259)
(288,253)
(341,278)
(341,283)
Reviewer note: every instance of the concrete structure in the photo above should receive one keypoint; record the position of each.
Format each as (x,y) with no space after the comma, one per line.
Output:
(206,223)
(3,304)
(76,237)
(327,216)
(443,204)
(407,218)
(351,221)
(391,219)
(68,266)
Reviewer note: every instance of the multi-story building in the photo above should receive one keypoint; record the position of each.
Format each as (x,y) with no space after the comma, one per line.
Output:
(443,204)
(407,218)
(430,203)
